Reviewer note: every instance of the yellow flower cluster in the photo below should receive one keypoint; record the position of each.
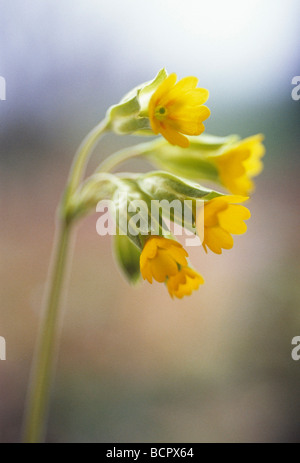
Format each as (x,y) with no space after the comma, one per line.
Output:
(176,110)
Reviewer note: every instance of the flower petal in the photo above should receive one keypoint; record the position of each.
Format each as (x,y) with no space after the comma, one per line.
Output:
(216,238)
(184,282)
(149,251)
(211,210)
(232,219)
(163,266)
(174,137)
(146,272)
(163,89)
(190,120)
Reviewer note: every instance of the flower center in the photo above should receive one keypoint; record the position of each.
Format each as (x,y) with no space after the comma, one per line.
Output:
(160,113)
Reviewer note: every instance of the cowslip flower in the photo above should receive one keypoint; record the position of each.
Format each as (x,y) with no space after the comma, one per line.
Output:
(177,108)
(223,217)
(161,258)
(184,282)
(239,163)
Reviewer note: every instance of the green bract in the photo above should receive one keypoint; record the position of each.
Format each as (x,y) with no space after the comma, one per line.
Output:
(128,257)
(131,114)
(132,209)
(162,185)
(182,195)
(98,187)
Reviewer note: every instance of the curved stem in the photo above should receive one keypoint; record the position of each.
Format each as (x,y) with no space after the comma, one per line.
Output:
(40,383)
(82,155)
(41,375)
(123,155)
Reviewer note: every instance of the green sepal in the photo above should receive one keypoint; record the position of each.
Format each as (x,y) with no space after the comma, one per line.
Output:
(131,114)
(162,186)
(122,110)
(210,142)
(149,88)
(130,125)
(194,162)
(126,196)
(127,257)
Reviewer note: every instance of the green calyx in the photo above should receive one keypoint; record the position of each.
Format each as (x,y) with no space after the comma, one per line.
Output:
(131,114)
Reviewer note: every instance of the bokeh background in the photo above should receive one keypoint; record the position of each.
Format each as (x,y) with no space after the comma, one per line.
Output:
(133,365)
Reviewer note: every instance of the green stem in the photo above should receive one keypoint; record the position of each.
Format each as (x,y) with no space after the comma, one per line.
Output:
(40,383)
(81,157)
(123,155)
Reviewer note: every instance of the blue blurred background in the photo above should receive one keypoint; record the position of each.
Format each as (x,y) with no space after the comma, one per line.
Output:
(133,365)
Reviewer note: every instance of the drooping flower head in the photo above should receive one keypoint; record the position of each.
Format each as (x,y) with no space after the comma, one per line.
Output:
(177,108)
(223,217)
(239,163)
(165,260)
(161,258)
(184,282)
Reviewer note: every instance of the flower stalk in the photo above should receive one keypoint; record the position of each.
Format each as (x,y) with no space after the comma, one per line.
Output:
(41,375)
(43,365)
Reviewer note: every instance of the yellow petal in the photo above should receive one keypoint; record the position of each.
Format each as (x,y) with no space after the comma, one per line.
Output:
(174,137)
(155,123)
(189,121)
(183,283)
(241,185)
(175,249)
(163,266)
(215,238)
(232,219)
(211,210)
(179,255)
(240,163)
(174,99)
(163,89)
(232,199)
(146,272)
(167,243)
(254,164)
(187,83)
(176,280)
(149,251)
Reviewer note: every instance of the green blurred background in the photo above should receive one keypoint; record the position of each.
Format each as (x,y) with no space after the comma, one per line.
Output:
(133,365)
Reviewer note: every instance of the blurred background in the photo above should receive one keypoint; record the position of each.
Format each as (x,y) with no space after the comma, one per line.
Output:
(133,365)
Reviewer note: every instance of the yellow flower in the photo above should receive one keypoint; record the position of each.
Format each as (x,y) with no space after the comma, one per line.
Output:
(176,109)
(239,163)
(184,282)
(161,258)
(222,216)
